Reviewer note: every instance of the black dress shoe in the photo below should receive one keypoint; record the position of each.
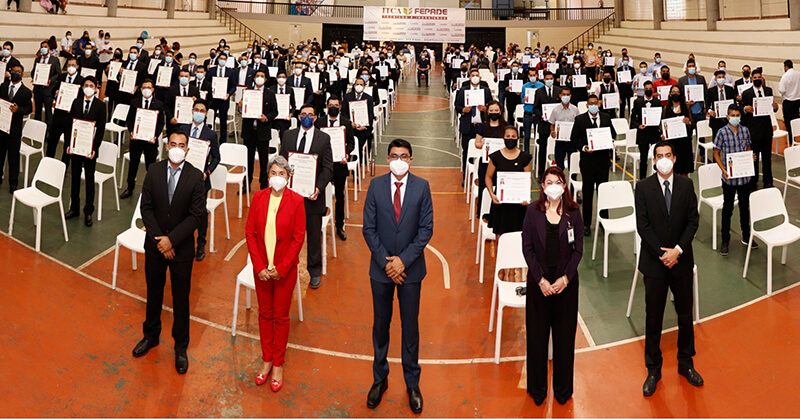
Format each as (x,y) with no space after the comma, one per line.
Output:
(650,384)
(587,231)
(88,220)
(12,188)
(143,347)
(201,253)
(538,399)
(181,362)
(340,232)
(70,214)
(125,194)
(692,376)
(415,399)
(376,394)
(562,400)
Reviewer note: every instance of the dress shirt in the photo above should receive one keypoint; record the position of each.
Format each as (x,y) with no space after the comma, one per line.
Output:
(476,117)
(309,138)
(721,94)
(12,90)
(670,179)
(404,182)
(727,142)
(198,127)
(132,64)
(562,114)
(333,122)
(242,76)
(696,108)
(177,175)
(790,85)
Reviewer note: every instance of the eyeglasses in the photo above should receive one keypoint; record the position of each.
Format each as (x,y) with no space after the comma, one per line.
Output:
(403,157)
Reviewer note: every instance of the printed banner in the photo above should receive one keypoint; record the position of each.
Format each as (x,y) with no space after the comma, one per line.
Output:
(414,24)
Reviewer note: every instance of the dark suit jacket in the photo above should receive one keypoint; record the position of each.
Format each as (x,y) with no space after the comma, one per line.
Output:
(756,124)
(155,105)
(350,97)
(657,229)
(248,80)
(55,70)
(625,89)
(92,61)
(540,97)
(465,121)
(176,71)
(712,96)
(177,220)
(600,158)
(175,91)
(305,82)
(385,236)
(507,79)
(24,100)
(262,132)
(684,81)
(212,161)
(321,146)
(534,244)
(97,114)
(648,135)
(190,68)
(210,74)
(141,71)
(339,168)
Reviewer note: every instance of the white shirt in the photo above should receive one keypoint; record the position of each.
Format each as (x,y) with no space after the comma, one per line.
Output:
(105,55)
(65,43)
(670,179)
(404,182)
(476,119)
(309,138)
(790,85)
(333,122)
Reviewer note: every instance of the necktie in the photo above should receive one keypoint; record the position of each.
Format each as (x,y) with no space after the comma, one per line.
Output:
(302,148)
(296,82)
(760,94)
(86,108)
(721,94)
(147,104)
(397,205)
(667,195)
(594,122)
(130,65)
(172,182)
(69,80)
(12,91)
(183,91)
(550,92)
(282,92)
(194,132)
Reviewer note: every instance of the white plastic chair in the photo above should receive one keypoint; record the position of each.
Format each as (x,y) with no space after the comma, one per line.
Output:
(235,155)
(574,172)
(632,150)
(704,131)
(210,119)
(778,133)
(34,131)
(583,107)
(50,172)
(509,256)
(107,156)
(764,204)
(352,166)
(795,130)
(218,183)
(132,238)
(484,233)
(792,158)
(246,279)
(472,155)
(473,194)
(120,115)
(327,220)
(614,195)
(695,288)
(232,106)
(621,128)
(519,117)
(709,176)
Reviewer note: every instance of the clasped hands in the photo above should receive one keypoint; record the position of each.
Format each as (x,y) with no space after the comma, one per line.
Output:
(165,247)
(557,287)
(670,256)
(395,269)
(266,275)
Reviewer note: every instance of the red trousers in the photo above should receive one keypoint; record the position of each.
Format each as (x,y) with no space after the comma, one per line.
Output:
(274,302)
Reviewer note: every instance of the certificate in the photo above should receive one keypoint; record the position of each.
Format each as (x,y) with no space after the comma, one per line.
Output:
(343,71)
(609,61)
(303,178)
(529,96)
(721,107)
(82,137)
(164,77)
(740,165)
(547,108)
(456,62)
(237,95)
(525,59)
(333,77)
(663,92)
(501,73)
(673,128)
(314,77)
(252,103)
(5,116)
(144,126)
(762,106)
(299,96)
(338,142)
(513,187)
(599,139)
(563,130)
(392,62)
(651,117)
(515,85)
(624,77)
(743,87)
(183,109)
(359,114)
(113,69)
(533,62)
(151,67)
(383,71)
(284,106)
(611,101)
(127,82)
(369,91)
(273,71)
(3,66)
(460,81)
(541,74)
(198,153)
(86,72)
(41,75)
(219,87)
(694,92)
(67,93)
(474,98)
(344,62)
(230,63)
(552,67)
(490,145)
(579,81)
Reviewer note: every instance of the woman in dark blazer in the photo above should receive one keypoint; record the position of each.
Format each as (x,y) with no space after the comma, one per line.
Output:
(552,242)
(275,231)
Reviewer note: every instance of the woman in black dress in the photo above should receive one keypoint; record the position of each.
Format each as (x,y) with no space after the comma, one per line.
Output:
(676,106)
(492,129)
(505,218)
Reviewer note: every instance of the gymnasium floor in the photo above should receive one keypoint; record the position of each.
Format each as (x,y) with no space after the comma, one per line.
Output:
(67,337)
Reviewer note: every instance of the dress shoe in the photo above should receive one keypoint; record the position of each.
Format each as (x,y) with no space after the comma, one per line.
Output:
(201,253)
(587,231)
(261,379)
(754,246)
(143,347)
(70,214)
(692,376)
(723,249)
(415,399)
(768,185)
(125,194)
(562,400)
(276,385)
(340,232)
(11,189)
(376,394)
(538,400)
(87,220)
(650,384)
(315,282)
(181,362)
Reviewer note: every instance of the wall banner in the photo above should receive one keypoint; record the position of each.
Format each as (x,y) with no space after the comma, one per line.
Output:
(414,24)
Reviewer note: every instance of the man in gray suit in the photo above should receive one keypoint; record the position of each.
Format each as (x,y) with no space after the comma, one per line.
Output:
(691,78)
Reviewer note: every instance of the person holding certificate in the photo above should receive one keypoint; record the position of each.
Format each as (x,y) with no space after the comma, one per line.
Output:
(505,217)
(135,62)
(513,82)
(169,72)
(46,69)
(547,95)
(86,108)
(609,87)
(334,119)
(15,92)
(299,81)
(257,132)
(283,94)
(89,62)
(472,110)
(362,132)
(760,125)
(528,96)
(717,95)
(577,80)
(139,144)
(189,93)
(221,103)
(733,138)
(625,75)
(566,112)
(647,132)
(677,107)
(694,86)
(67,89)
(308,140)
(494,128)
(664,80)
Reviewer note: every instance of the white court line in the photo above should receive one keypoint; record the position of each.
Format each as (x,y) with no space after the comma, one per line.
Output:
(585,330)
(233,251)
(96,258)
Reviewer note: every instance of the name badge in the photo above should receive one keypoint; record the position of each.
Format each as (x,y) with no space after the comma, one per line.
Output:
(570,233)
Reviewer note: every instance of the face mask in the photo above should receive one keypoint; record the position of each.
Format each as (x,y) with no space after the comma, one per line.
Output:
(298,71)
(648,92)
(722,69)
(88,53)
(146,93)
(139,45)
(643,70)
(565,99)
(281,81)
(515,70)
(548,83)
(577,65)
(624,63)
(665,76)
(675,97)
(593,109)
(44,51)
(758,83)
(510,143)
(200,76)
(720,82)
(359,88)
(16,77)
(554,192)
(249,49)
(259,81)
(494,116)
(333,111)
(532,79)
(222,44)
(664,166)
(243,63)
(746,74)
(398,167)
(176,155)
(463,69)
(606,80)
(591,47)
(198,117)
(277,183)
(6,52)
(306,121)
(88,91)
(336,60)
(222,63)
(184,81)
(658,60)
(475,79)
(191,60)
(72,70)
(157,52)
(734,120)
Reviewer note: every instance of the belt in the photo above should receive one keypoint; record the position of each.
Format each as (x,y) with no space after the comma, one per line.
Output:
(528,113)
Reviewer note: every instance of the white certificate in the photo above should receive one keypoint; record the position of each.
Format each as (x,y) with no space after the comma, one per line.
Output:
(86,72)
(501,73)
(514,187)
(164,77)
(369,91)
(67,93)
(673,128)
(541,74)
(611,101)
(392,62)
(651,117)
(474,98)
(5,116)
(599,139)
(183,109)
(304,173)
(344,62)
(721,107)
(230,63)
(219,87)
(663,92)
(113,69)
(579,81)
(3,66)
(314,76)
(284,106)
(333,77)
(42,75)
(144,126)
(552,67)
(343,71)
(456,62)
(82,137)
(525,59)
(460,81)
(547,108)
(490,145)
(151,67)
(198,153)
(563,130)
(529,96)
(743,87)
(533,62)
(694,92)
(359,114)
(515,85)
(624,77)
(252,104)
(383,71)
(127,82)
(338,142)
(740,165)
(273,71)
(299,96)
(762,106)
(237,95)
(609,61)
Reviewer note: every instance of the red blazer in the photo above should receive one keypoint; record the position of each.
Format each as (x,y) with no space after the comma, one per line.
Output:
(290,227)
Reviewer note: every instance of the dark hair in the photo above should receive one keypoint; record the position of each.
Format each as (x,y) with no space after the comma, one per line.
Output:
(333,97)
(108,34)
(399,143)
(690,61)
(260,71)
(758,70)
(494,102)
(92,79)
(547,73)
(140,39)
(664,143)
(512,128)
(8,44)
(648,82)
(307,105)
(643,62)
(664,66)
(147,80)
(566,89)
(722,62)
(567,203)
(718,72)
(181,133)
(200,102)
(734,107)
(592,96)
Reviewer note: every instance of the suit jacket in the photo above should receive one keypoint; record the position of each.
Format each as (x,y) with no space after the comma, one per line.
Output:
(507,79)
(339,168)
(248,79)
(648,135)
(657,229)
(176,71)
(684,81)
(290,229)
(625,89)
(534,244)
(465,121)
(141,70)
(210,74)
(577,94)
(97,114)
(92,61)
(24,100)
(305,82)
(712,96)
(321,146)
(756,124)
(345,111)
(175,91)
(177,220)
(155,105)
(597,159)
(190,68)
(212,161)
(540,97)
(55,70)
(385,236)
(262,131)
(11,62)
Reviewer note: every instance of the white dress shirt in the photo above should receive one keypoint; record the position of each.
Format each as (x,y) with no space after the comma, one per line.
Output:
(404,182)
(670,179)
(790,85)
(309,137)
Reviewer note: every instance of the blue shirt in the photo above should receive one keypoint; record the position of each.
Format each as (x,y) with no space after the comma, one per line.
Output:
(528,85)
(728,141)
(652,69)
(697,108)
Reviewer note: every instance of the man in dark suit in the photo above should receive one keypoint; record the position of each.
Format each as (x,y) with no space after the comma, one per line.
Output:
(173,201)
(89,60)
(148,147)
(307,139)
(191,65)
(472,117)
(21,105)
(645,135)
(594,164)
(62,121)
(43,95)
(362,132)
(136,63)
(625,89)
(220,106)
(760,126)
(334,118)
(199,83)
(718,91)
(547,94)
(666,220)
(168,62)
(579,94)
(280,88)
(397,231)
(297,79)
(460,73)
(184,88)
(9,59)
(257,133)
(746,79)
(243,75)
(143,54)
(512,98)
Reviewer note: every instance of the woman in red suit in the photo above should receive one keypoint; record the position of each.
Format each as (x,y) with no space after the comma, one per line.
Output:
(275,231)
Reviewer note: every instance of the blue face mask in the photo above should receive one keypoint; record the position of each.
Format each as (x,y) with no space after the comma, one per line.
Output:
(532,79)
(191,60)
(692,70)
(624,63)
(133,56)
(720,82)
(139,45)
(222,63)
(44,51)
(565,99)
(306,121)
(658,60)
(734,120)
(184,81)
(243,63)
(365,77)
(548,83)
(168,59)
(6,52)
(514,69)
(198,117)
(593,109)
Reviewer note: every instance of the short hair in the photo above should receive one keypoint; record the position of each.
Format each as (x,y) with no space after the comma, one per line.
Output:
(140,39)
(399,143)
(746,65)
(719,72)
(650,82)
(643,62)
(307,106)
(758,70)
(192,55)
(8,44)
(474,70)
(333,97)
(92,79)
(664,143)
(281,162)
(200,67)
(147,80)
(657,53)
(260,70)
(691,61)
(721,62)
(592,96)
(664,67)
(282,71)
(108,34)
(788,64)
(547,73)
(180,133)
(566,89)
(200,102)
(734,107)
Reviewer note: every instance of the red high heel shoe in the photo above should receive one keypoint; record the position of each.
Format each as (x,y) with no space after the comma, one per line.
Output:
(276,385)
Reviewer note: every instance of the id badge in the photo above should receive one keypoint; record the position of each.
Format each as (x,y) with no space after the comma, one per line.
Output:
(571,234)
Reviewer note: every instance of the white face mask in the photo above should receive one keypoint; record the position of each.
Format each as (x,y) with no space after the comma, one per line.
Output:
(281,81)
(475,79)
(176,155)
(88,91)
(359,88)
(554,192)
(277,183)
(664,166)
(72,70)
(398,167)
(298,71)
(259,81)
(146,93)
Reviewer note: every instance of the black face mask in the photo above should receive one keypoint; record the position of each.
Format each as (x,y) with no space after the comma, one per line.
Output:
(463,69)
(648,92)
(117,56)
(333,111)
(606,80)
(746,74)
(675,97)
(665,76)
(758,83)
(494,116)
(15,77)
(511,143)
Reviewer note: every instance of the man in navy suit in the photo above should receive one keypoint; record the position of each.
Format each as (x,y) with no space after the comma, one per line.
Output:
(472,117)
(220,106)
(297,79)
(398,224)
